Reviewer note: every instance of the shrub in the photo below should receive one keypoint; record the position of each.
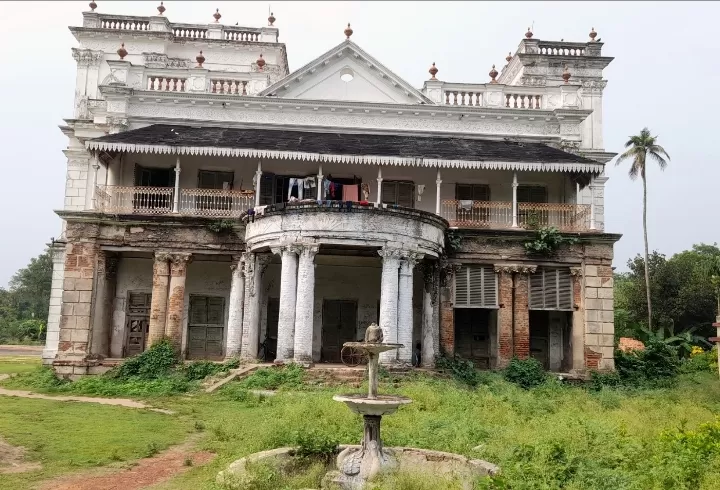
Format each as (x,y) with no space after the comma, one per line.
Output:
(527,373)
(156,362)
(314,443)
(274,377)
(460,369)
(199,370)
(656,364)
(701,361)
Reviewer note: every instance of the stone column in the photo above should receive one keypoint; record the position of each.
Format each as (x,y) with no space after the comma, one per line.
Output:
(438,184)
(514,201)
(235,312)
(103,303)
(577,335)
(447,312)
(288,296)
(176,299)
(378,199)
(159,300)
(522,312)
(176,191)
(505,313)
(304,307)
(254,268)
(52,333)
(389,284)
(405,307)
(258,183)
(430,340)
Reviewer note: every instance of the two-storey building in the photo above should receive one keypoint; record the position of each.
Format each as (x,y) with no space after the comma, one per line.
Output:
(217,199)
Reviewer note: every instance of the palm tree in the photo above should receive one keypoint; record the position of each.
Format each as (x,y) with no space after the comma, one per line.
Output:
(638,149)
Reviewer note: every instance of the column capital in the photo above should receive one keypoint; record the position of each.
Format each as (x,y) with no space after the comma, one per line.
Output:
(576,271)
(515,268)
(411,258)
(390,253)
(285,249)
(180,257)
(237,262)
(162,255)
(307,250)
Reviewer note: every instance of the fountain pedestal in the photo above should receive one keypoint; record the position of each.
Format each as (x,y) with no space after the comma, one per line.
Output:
(358,465)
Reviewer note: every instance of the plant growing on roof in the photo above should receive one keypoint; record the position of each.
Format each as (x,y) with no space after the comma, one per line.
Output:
(221,226)
(547,241)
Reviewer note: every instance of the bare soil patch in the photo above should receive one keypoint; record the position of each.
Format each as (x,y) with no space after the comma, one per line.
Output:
(12,459)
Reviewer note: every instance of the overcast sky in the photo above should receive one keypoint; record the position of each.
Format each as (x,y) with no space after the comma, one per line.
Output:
(664,76)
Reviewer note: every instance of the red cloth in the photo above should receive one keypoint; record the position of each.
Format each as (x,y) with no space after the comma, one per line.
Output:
(350,193)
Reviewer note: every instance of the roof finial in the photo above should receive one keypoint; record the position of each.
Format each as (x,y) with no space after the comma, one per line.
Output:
(92,6)
(566,74)
(433,71)
(200,59)
(508,57)
(493,73)
(161,8)
(529,34)
(271,19)
(122,52)
(217,15)
(593,35)
(348,31)
(260,62)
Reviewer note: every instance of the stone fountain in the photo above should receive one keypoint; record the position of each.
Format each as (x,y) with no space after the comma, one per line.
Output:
(357,465)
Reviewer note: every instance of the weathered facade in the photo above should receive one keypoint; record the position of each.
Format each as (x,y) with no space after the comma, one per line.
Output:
(215,199)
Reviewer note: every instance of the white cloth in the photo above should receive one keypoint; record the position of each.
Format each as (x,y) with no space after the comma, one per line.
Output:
(466,204)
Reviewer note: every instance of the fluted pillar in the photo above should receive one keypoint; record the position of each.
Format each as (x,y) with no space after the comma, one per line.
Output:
(254,268)
(389,300)
(288,296)
(235,311)
(405,307)
(176,299)
(159,300)
(305,305)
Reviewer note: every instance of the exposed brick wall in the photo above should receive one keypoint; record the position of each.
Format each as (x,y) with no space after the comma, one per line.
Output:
(176,299)
(592,358)
(77,298)
(505,334)
(522,317)
(159,301)
(447,322)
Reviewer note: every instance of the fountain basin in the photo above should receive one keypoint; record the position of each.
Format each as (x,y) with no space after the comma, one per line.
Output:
(378,406)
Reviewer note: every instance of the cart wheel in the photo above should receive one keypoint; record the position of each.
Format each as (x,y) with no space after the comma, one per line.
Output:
(350,356)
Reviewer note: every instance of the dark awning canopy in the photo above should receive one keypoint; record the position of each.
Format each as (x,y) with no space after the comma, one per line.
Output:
(422,151)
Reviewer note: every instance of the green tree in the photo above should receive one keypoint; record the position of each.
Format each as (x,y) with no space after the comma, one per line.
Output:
(638,149)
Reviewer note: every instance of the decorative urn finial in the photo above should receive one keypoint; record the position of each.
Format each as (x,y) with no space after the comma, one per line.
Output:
(348,31)
(260,62)
(493,73)
(593,35)
(566,74)
(122,52)
(92,6)
(200,59)
(508,57)
(529,34)
(374,334)
(161,8)
(433,71)
(271,19)
(217,15)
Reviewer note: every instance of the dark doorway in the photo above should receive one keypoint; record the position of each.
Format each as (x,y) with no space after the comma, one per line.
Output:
(540,336)
(137,323)
(269,351)
(472,335)
(339,326)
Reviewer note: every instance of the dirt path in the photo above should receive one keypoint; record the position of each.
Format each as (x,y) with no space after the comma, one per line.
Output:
(146,472)
(120,402)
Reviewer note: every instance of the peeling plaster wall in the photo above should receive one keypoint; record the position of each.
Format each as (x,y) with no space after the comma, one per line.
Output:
(133,275)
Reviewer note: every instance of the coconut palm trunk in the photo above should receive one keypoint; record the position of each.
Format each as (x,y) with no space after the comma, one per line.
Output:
(647,273)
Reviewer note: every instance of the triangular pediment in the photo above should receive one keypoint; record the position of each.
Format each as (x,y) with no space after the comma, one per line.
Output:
(346,73)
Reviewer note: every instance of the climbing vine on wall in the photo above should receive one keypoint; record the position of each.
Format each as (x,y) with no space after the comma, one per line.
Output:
(546,241)
(221,226)
(452,241)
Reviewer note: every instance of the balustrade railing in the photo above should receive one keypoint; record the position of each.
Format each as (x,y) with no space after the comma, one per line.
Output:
(511,97)
(240,35)
(122,24)
(459,97)
(167,84)
(215,202)
(228,87)
(557,49)
(119,199)
(523,101)
(498,214)
(188,32)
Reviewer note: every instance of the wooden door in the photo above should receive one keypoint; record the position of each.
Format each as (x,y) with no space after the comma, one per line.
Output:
(339,326)
(206,327)
(137,323)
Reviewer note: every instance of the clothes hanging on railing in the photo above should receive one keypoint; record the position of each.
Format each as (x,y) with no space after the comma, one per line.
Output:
(350,193)
(292,184)
(309,182)
(365,189)
(465,204)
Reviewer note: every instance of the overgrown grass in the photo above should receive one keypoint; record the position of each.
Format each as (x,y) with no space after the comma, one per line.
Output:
(66,437)
(19,364)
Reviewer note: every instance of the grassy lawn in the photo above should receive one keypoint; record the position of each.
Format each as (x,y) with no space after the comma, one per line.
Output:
(551,437)
(66,436)
(19,364)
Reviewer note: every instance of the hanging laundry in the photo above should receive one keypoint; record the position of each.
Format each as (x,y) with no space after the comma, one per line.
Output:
(292,183)
(350,193)
(260,210)
(365,188)
(326,189)
(309,182)
(465,204)
(335,190)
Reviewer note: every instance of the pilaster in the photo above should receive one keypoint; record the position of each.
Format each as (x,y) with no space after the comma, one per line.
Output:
(105,282)
(176,299)
(159,300)
(235,311)
(447,313)
(505,313)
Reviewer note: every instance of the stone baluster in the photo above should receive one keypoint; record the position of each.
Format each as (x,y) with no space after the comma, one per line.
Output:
(158,304)
(176,299)
(235,313)
(304,306)
(288,296)
(389,284)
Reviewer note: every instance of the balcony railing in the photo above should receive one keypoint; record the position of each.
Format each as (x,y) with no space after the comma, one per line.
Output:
(499,215)
(212,203)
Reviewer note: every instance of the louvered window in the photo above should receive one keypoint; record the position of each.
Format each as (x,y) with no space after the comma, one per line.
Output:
(531,193)
(400,193)
(472,192)
(551,289)
(476,287)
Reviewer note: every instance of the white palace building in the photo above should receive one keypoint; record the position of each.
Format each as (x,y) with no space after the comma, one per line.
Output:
(217,199)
